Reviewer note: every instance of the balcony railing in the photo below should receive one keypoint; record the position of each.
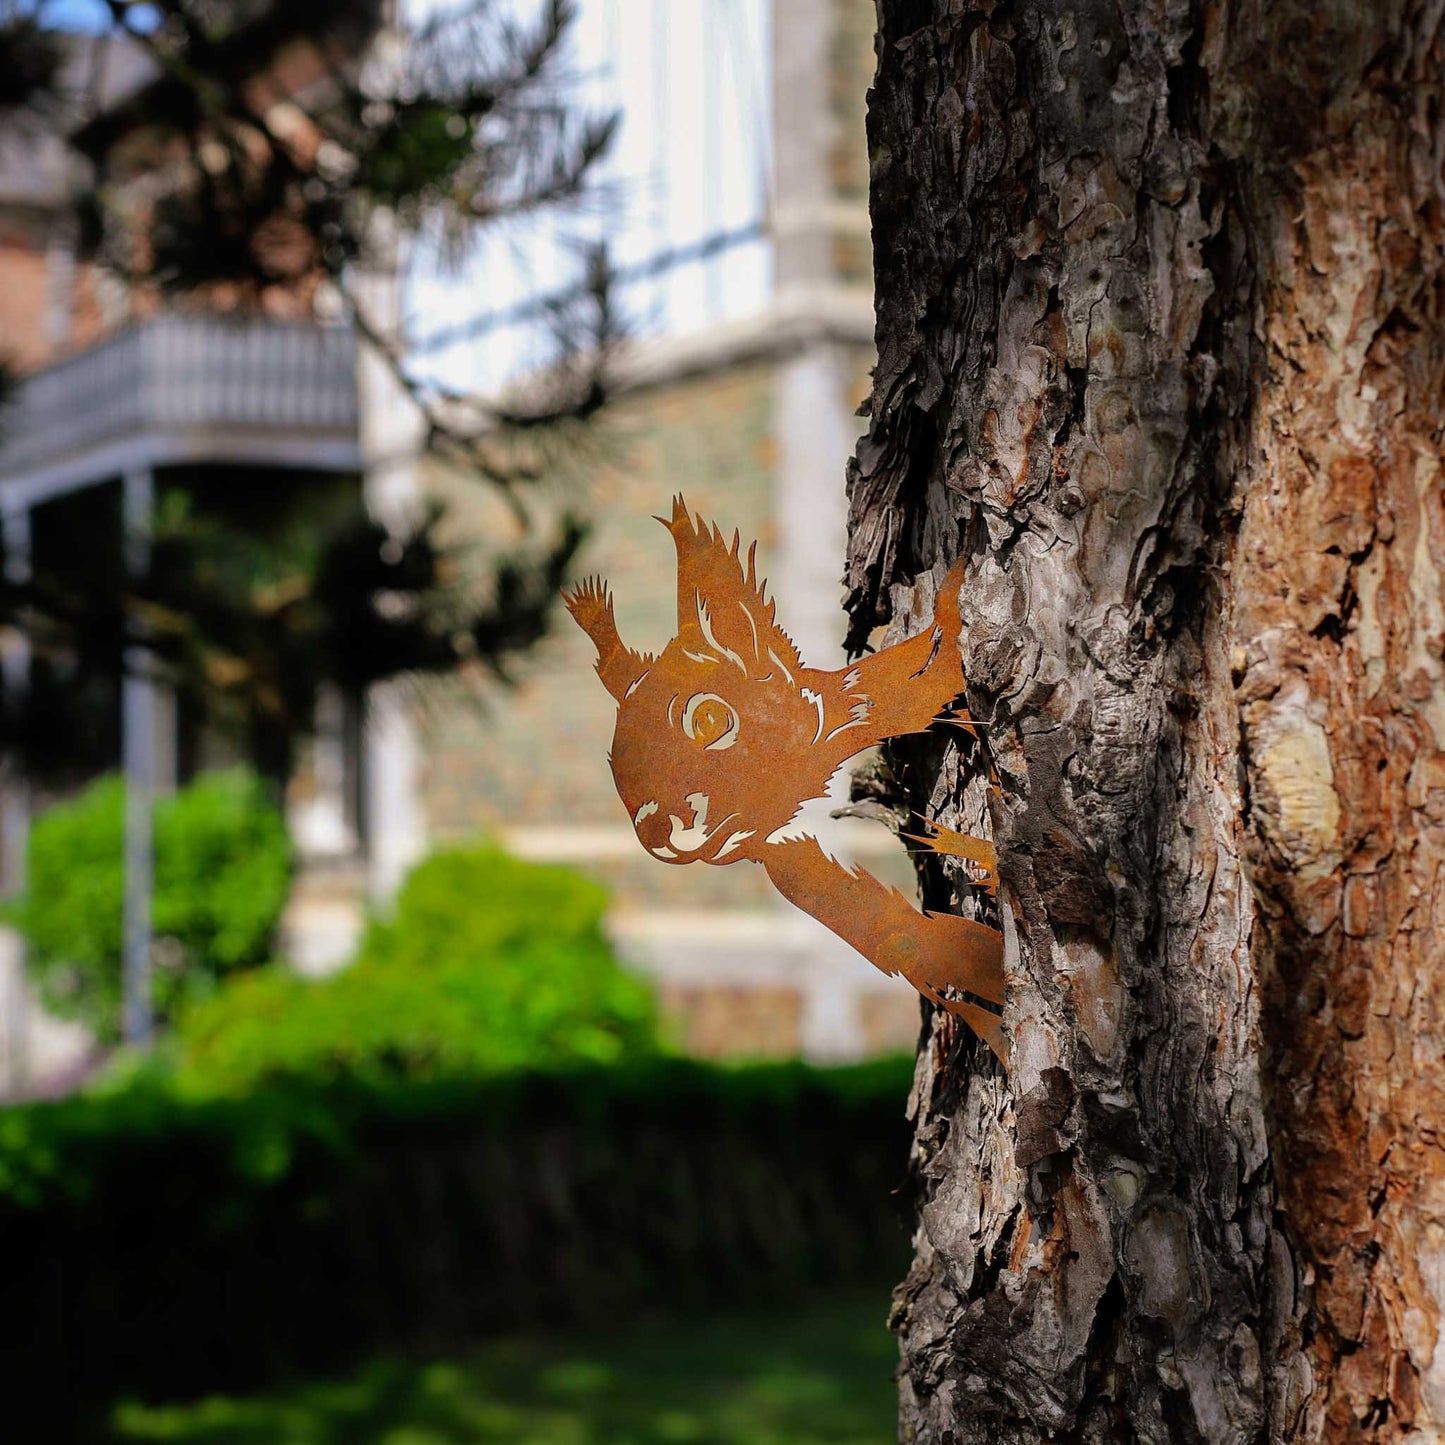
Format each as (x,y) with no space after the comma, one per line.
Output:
(192,386)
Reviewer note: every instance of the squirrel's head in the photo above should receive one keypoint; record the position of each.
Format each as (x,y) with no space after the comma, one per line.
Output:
(718,739)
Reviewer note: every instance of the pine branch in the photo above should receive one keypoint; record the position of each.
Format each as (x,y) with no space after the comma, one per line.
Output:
(473,129)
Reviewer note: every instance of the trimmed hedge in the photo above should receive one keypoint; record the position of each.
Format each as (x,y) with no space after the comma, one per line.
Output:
(161,1248)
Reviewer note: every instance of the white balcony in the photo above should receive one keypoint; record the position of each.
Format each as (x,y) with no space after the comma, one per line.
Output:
(179,391)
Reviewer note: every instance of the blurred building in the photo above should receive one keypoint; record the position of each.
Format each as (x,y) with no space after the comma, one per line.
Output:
(751,415)
(744,401)
(253,416)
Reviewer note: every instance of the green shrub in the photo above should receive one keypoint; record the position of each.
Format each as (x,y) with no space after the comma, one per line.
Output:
(222,870)
(488,965)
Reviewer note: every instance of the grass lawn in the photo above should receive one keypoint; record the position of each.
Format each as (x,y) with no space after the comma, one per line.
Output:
(819,1376)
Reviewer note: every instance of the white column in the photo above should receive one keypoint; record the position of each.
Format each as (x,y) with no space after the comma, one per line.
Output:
(803,71)
(815,430)
(15,805)
(321,821)
(60,284)
(138,739)
(392,433)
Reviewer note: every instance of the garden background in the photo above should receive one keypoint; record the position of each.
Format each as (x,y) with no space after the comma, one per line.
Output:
(363,1081)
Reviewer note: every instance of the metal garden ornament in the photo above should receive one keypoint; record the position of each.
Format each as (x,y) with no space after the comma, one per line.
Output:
(722,738)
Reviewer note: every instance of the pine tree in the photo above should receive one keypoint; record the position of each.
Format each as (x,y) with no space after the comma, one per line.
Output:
(1161,324)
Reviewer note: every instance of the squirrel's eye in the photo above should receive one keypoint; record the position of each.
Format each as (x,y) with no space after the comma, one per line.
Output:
(711,722)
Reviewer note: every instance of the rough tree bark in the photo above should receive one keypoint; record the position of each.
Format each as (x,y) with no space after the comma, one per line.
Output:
(1161,326)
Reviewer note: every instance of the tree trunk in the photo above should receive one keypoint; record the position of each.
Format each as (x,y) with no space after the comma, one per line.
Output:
(1161,327)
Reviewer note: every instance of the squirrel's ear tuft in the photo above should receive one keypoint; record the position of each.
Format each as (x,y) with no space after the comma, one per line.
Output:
(711,576)
(617,664)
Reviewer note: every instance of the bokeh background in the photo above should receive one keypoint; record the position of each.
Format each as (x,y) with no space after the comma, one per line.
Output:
(363,1079)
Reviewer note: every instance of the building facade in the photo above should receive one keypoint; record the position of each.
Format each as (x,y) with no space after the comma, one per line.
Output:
(752,420)
(751,417)
(121,402)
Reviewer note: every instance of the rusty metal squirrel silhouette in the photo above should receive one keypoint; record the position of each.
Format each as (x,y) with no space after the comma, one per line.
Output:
(722,738)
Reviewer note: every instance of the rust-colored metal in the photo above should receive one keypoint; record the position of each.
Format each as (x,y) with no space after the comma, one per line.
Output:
(722,738)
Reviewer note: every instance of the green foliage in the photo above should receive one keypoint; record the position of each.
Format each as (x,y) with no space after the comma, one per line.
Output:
(222,870)
(254,602)
(417,152)
(71,1150)
(818,1375)
(487,965)
(223,1244)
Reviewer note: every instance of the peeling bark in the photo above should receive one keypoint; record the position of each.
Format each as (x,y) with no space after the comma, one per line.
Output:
(1338,632)
(1161,325)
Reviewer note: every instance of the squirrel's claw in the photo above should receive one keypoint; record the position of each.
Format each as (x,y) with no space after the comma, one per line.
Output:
(978,851)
